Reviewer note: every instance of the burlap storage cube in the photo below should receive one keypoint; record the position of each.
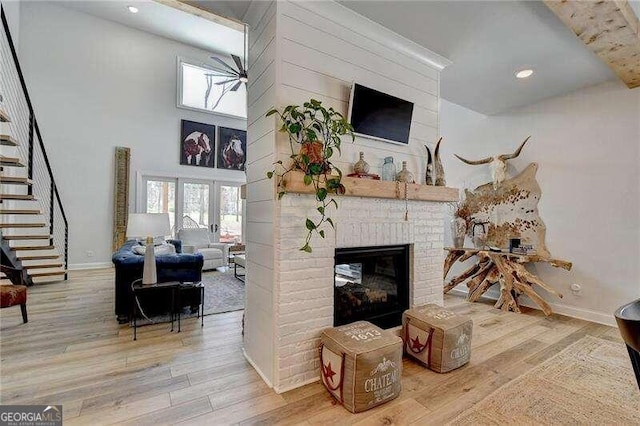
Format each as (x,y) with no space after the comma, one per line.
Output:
(361,365)
(438,338)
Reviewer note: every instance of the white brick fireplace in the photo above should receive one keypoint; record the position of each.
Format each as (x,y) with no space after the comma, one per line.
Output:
(305,282)
(298,51)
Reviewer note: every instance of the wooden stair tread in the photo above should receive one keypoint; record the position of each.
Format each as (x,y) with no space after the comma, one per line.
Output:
(22,225)
(39,257)
(16,180)
(26,237)
(8,140)
(43,266)
(47,274)
(4,117)
(19,248)
(10,161)
(16,211)
(16,197)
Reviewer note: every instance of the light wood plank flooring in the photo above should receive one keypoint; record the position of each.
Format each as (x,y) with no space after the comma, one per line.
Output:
(73,352)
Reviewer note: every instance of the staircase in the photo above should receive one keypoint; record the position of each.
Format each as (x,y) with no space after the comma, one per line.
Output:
(34,232)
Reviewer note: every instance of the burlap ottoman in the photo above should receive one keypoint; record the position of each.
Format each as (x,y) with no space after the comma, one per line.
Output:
(438,338)
(361,365)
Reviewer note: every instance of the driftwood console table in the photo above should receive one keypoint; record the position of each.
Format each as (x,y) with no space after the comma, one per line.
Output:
(505,269)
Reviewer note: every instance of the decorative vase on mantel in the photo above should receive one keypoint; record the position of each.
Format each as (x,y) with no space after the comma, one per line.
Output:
(389,170)
(361,167)
(458,231)
(404,175)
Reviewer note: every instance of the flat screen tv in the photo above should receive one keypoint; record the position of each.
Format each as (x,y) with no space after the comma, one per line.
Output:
(377,115)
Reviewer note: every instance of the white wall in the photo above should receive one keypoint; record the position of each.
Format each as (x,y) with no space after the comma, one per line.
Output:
(587,144)
(96,85)
(12,12)
(259,312)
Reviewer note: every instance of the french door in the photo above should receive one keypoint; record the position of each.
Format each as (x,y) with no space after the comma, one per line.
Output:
(230,213)
(196,203)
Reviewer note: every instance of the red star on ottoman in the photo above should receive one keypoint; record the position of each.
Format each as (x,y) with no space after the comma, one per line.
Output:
(416,345)
(328,372)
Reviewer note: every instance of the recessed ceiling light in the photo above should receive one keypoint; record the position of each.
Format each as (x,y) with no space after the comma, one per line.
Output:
(132,9)
(524,73)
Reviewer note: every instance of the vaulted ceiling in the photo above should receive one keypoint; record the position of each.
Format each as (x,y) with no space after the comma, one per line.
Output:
(488,41)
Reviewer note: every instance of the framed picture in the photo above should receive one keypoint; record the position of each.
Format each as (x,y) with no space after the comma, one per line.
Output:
(232,148)
(197,144)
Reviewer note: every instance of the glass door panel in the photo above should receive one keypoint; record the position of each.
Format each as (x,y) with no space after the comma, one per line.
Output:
(196,205)
(230,214)
(160,197)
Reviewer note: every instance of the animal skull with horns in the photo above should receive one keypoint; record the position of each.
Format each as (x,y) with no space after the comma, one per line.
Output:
(498,164)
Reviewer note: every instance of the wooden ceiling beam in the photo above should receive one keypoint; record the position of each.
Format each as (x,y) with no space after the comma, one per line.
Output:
(610,28)
(203,13)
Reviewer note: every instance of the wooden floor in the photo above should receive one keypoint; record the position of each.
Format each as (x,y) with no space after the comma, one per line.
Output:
(73,352)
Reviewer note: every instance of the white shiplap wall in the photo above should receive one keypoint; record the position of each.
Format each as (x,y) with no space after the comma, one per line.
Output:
(320,57)
(303,50)
(259,314)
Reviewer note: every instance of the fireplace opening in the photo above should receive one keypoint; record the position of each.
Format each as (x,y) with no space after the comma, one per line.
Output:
(371,284)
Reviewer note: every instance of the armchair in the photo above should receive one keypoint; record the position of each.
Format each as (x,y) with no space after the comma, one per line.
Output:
(196,240)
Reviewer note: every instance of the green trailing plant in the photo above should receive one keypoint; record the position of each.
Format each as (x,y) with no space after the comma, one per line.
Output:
(317,132)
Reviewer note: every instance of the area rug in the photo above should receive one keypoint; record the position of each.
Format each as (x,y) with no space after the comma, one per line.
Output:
(223,292)
(590,382)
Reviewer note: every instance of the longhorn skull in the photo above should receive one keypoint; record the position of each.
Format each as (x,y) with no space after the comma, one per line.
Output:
(497,164)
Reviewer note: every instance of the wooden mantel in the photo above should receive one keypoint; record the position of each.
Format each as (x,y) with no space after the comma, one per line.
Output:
(356,187)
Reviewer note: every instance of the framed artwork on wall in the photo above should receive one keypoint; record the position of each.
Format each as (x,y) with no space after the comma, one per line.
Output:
(197,144)
(232,148)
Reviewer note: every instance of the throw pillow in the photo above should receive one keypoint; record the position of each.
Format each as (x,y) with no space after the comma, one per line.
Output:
(161,250)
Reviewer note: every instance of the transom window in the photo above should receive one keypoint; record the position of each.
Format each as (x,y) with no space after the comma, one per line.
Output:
(199,88)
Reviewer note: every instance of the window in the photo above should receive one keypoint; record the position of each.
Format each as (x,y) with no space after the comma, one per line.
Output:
(161,198)
(230,214)
(199,89)
(196,203)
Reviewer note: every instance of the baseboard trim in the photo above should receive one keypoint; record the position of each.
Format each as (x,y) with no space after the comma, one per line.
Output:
(255,367)
(85,266)
(280,390)
(570,311)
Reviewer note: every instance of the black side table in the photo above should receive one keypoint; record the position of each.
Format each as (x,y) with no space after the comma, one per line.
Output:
(187,286)
(176,288)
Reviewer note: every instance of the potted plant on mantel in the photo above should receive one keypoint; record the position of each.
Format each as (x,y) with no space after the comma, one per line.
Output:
(317,131)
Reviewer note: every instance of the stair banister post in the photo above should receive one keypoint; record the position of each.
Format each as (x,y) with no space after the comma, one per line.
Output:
(30,161)
(51,194)
(66,251)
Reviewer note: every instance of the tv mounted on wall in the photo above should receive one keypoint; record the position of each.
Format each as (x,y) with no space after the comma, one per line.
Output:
(376,115)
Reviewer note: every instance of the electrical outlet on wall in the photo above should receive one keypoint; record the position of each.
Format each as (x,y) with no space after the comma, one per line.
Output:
(575,289)
(90,253)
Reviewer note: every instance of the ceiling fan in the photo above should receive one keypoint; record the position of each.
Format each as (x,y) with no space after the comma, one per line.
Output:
(239,75)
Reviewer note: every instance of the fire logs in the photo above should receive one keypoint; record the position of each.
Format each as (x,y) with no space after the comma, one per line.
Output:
(504,269)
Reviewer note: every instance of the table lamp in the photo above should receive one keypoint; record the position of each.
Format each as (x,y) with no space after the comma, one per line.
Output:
(149,226)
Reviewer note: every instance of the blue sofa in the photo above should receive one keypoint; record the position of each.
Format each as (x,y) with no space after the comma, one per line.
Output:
(175,267)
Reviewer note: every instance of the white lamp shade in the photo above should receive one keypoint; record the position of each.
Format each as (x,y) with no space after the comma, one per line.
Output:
(142,225)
